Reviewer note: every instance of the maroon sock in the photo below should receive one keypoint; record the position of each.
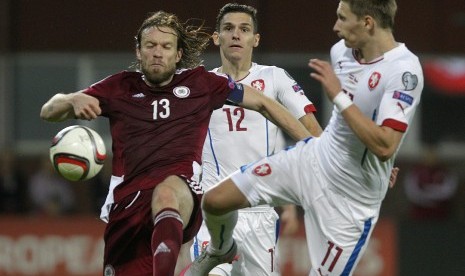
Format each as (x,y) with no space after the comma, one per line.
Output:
(166,241)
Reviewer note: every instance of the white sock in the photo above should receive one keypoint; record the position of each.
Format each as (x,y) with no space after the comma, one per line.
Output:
(221,229)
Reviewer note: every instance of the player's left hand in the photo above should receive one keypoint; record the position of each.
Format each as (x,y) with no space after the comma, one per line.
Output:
(393,177)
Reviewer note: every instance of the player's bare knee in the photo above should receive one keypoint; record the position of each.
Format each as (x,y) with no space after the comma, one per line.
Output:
(164,197)
(208,202)
(213,203)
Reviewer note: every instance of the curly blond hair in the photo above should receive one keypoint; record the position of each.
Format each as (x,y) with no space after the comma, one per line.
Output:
(191,39)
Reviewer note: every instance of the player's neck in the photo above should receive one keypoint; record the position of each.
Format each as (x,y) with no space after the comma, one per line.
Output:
(237,71)
(160,84)
(377,48)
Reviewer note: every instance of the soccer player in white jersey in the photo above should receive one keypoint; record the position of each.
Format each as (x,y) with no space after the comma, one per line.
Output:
(340,178)
(237,136)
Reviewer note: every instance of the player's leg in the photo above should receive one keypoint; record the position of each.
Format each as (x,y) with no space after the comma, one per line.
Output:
(255,235)
(219,205)
(127,234)
(184,258)
(219,209)
(337,233)
(264,182)
(201,240)
(172,205)
(224,197)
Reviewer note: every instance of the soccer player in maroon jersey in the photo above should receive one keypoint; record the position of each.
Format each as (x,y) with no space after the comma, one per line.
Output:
(158,117)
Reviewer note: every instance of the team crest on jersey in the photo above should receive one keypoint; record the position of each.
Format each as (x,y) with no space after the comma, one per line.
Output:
(374,80)
(262,170)
(409,81)
(258,84)
(109,271)
(181,91)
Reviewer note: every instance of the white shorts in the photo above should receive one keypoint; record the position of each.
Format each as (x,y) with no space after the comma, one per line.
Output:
(255,235)
(337,228)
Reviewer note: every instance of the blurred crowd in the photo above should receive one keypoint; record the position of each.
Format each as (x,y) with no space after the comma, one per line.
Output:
(29,185)
(429,188)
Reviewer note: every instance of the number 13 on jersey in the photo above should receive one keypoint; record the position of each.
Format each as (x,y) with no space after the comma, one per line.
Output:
(161,109)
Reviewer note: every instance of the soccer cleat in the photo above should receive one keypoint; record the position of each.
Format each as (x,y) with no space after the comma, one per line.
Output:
(206,262)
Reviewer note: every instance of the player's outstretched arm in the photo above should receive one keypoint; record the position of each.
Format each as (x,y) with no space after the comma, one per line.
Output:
(380,140)
(67,106)
(311,124)
(275,112)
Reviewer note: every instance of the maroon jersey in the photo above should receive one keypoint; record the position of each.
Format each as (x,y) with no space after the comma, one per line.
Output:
(158,132)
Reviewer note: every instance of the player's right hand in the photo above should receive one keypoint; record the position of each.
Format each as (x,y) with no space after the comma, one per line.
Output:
(324,73)
(85,107)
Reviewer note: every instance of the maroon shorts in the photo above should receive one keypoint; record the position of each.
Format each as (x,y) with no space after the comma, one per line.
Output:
(128,234)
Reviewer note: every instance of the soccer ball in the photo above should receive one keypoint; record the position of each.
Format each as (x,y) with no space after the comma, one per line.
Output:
(77,153)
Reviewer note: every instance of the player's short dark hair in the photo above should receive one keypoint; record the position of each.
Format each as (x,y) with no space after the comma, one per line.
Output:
(383,11)
(235,7)
(192,39)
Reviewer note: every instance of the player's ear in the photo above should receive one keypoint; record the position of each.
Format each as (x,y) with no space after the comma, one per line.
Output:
(256,39)
(369,22)
(216,38)
(179,55)
(138,53)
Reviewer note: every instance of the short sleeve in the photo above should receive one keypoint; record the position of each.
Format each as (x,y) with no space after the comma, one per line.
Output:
(102,90)
(291,95)
(401,97)
(220,86)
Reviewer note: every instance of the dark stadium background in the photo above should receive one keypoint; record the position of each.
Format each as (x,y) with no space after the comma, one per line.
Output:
(47,46)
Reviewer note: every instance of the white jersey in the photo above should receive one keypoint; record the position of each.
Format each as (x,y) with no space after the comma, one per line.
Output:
(336,180)
(388,91)
(237,136)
